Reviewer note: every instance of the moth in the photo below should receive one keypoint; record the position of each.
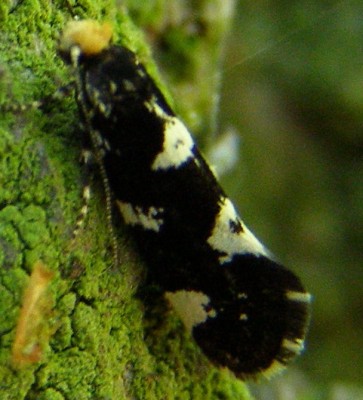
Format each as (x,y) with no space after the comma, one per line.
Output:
(246,312)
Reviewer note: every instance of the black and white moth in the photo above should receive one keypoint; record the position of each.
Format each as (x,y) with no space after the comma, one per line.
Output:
(245,311)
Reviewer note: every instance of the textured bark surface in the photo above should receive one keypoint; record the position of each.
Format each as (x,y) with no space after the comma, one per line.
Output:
(90,337)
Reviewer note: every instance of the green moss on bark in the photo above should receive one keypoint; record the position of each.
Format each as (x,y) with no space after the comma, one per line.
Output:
(101,344)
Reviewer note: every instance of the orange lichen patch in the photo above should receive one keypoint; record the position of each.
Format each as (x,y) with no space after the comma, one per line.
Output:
(89,35)
(31,329)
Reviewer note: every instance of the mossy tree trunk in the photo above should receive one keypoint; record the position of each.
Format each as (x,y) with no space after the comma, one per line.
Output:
(90,335)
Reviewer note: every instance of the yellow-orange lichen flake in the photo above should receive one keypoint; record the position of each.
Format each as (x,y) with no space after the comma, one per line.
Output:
(30,330)
(89,35)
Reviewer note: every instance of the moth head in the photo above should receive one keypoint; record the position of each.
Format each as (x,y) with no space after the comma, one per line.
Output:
(88,38)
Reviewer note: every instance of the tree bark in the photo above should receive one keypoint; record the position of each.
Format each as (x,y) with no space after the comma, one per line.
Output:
(88,335)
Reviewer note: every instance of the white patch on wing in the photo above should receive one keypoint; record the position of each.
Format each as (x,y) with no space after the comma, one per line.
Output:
(135,215)
(295,347)
(178,144)
(298,296)
(225,240)
(191,306)
(128,85)
(97,99)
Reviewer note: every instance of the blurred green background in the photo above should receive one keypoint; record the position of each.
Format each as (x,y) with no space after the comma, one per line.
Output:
(293,87)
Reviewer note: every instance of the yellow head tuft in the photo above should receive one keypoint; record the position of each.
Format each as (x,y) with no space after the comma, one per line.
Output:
(89,35)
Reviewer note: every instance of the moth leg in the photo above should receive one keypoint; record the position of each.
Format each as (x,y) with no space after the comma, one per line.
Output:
(88,163)
(59,94)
